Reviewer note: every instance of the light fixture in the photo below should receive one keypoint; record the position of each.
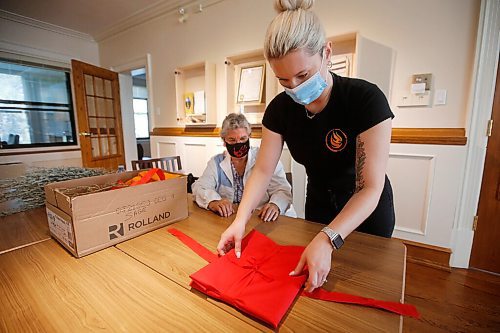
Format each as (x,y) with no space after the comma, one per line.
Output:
(183,15)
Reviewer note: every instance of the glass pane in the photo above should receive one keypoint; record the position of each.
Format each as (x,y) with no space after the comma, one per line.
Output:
(93,126)
(107,89)
(111,125)
(95,147)
(89,85)
(102,126)
(141,118)
(141,125)
(99,86)
(91,106)
(104,145)
(113,145)
(33,84)
(109,108)
(30,127)
(101,107)
(37,108)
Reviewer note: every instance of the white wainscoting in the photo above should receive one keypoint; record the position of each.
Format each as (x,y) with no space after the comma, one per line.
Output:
(426,180)
(412,179)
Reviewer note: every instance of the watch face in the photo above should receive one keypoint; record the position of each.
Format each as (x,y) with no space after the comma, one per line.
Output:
(337,241)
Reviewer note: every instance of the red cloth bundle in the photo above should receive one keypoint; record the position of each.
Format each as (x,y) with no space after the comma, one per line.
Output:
(259,283)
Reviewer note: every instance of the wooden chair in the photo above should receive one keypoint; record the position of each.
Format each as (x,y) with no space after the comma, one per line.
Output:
(172,163)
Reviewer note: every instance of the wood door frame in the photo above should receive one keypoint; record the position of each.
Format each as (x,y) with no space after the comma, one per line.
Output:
(480,254)
(128,65)
(485,69)
(146,62)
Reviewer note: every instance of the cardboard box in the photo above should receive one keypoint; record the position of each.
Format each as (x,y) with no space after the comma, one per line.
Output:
(87,223)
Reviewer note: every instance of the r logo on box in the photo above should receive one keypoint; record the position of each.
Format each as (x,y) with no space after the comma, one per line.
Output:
(115,232)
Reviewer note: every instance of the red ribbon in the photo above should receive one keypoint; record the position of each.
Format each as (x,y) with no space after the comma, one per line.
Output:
(321,294)
(194,245)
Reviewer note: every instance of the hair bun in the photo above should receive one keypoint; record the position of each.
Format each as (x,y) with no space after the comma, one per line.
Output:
(285,5)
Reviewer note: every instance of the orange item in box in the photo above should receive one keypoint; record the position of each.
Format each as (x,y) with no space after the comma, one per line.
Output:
(149,176)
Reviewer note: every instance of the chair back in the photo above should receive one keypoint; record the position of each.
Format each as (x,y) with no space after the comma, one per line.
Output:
(172,163)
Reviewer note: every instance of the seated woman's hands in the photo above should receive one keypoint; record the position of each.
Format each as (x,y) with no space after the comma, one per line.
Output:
(222,207)
(269,212)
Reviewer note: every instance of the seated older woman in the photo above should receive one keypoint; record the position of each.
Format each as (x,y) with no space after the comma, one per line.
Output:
(223,181)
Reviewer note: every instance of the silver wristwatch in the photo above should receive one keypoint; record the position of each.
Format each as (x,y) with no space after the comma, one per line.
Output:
(335,238)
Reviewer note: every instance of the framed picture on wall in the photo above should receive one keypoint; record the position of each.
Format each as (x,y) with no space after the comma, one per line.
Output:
(251,82)
(188,103)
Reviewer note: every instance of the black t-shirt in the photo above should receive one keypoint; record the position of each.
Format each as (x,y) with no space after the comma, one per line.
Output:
(326,144)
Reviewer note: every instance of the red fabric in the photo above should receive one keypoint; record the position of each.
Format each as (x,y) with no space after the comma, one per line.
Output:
(194,245)
(147,177)
(259,283)
(333,296)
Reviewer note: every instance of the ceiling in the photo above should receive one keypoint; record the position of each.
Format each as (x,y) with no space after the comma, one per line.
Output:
(92,17)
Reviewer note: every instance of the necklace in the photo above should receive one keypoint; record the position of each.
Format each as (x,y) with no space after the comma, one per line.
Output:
(307,114)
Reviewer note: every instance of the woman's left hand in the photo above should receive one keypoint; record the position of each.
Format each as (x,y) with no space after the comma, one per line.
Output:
(269,212)
(318,258)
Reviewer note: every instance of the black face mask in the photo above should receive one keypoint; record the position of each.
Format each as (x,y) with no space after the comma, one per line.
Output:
(239,149)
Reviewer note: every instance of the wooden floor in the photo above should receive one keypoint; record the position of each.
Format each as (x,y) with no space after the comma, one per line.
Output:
(462,300)
(457,301)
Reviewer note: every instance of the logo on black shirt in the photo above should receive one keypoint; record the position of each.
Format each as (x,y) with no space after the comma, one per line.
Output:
(336,140)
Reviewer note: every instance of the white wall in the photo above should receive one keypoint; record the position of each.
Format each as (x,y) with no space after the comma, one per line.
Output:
(427,36)
(46,46)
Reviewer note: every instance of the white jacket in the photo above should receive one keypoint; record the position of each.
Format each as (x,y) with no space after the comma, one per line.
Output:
(217,183)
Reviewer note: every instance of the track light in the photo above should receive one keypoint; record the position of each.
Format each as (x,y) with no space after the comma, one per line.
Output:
(183,15)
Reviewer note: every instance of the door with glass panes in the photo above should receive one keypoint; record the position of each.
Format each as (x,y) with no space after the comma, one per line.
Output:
(97,99)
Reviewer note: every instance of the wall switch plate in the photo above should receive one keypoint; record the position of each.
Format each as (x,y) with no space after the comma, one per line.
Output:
(406,99)
(421,99)
(440,97)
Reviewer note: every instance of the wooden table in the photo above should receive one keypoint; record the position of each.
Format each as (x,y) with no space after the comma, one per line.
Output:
(143,284)
(367,265)
(23,229)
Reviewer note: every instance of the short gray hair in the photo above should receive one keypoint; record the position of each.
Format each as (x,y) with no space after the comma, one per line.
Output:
(295,27)
(234,121)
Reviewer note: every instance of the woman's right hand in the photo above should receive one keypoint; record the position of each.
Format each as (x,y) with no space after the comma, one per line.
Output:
(232,238)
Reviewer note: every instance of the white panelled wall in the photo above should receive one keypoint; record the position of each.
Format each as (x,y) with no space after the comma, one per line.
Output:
(426,184)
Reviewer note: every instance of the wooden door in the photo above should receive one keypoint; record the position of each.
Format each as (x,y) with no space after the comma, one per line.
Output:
(97,98)
(485,249)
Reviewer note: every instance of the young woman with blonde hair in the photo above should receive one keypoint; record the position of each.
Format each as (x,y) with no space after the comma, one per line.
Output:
(339,128)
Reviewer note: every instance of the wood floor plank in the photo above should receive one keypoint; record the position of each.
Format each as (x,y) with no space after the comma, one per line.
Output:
(23,229)
(462,300)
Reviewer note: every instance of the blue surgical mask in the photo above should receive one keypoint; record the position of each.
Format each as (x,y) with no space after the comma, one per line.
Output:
(309,90)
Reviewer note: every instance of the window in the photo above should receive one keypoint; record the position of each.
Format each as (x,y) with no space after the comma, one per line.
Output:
(140,103)
(36,109)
